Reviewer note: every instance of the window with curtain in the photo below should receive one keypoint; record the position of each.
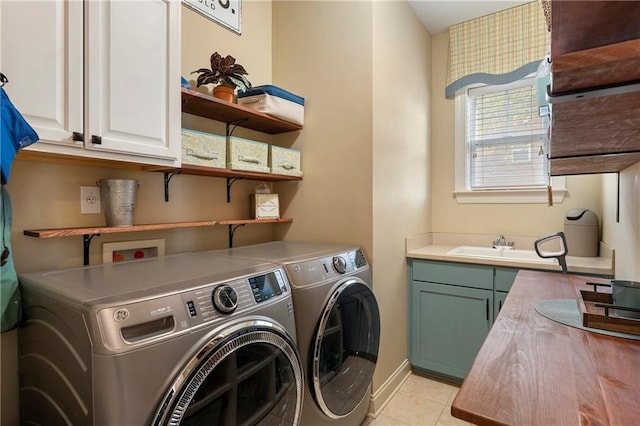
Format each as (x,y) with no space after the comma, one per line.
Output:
(505,138)
(500,140)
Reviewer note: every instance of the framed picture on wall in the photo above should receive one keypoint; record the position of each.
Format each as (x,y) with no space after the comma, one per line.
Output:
(122,251)
(227,13)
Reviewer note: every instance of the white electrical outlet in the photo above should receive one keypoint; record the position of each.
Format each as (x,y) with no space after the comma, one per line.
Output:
(90,200)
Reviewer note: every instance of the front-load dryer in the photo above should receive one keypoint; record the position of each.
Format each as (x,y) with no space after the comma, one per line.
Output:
(174,340)
(337,323)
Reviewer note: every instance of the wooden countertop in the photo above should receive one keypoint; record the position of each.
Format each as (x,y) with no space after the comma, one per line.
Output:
(534,371)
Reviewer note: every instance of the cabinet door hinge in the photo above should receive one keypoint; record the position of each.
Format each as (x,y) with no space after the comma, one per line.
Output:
(96,140)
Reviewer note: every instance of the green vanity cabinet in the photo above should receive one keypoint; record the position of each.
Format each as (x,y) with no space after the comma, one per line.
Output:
(498,301)
(451,309)
(449,324)
(503,280)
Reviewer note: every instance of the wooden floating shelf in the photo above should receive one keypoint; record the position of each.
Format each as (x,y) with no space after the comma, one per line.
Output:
(70,232)
(188,169)
(206,106)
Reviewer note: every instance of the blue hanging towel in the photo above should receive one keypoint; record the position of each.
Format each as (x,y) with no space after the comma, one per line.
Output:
(15,133)
(10,303)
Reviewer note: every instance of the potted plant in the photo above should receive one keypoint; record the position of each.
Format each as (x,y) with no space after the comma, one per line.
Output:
(225,74)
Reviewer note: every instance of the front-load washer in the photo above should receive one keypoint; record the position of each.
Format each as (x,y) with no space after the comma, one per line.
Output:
(173,340)
(337,322)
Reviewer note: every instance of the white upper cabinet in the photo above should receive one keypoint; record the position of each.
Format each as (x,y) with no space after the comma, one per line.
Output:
(41,55)
(106,70)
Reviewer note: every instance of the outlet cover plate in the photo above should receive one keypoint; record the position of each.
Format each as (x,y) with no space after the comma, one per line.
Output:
(90,202)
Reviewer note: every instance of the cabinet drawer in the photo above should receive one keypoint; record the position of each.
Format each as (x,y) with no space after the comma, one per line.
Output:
(477,276)
(504,278)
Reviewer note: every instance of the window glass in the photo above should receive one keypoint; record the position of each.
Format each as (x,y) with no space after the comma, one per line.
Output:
(506,138)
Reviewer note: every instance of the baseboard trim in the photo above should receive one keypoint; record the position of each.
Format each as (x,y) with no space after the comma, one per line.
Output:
(381,397)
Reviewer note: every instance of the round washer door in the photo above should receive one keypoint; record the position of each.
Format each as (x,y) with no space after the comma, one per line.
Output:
(247,374)
(346,348)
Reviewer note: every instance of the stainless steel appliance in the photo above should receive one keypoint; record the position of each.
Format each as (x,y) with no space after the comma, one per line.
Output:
(337,322)
(181,339)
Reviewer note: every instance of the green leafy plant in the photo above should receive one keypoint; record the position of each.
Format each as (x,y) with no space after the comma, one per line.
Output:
(224,72)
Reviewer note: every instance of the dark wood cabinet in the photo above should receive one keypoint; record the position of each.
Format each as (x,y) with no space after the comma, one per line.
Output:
(595,104)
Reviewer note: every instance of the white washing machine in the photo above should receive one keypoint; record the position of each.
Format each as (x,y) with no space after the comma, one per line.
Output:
(337,322)
(175,340)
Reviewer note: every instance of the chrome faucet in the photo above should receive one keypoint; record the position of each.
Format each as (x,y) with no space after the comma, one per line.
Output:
(502,243)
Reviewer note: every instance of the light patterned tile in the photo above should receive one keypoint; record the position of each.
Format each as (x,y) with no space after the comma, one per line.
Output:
(413,409)
(427,388)
(446,419)
(382,420)
(453,396)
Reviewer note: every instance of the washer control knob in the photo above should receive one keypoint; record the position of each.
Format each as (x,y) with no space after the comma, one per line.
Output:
(225,299)
(340,264)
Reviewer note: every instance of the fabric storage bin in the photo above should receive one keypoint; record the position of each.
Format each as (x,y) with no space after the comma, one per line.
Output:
(247,155)
(274,101)
(203,149)
(284,161)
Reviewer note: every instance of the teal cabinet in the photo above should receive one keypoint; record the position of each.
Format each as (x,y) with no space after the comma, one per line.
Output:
(498,302)
(449,324)
(452,306)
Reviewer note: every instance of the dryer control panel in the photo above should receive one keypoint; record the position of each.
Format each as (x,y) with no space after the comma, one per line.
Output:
(330,267)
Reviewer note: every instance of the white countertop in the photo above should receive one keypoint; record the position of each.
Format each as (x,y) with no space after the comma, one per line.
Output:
(435,246)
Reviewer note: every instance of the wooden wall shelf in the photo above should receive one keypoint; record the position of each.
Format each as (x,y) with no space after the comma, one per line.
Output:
(89,232)
(595,47)
(206,106)
(188,169)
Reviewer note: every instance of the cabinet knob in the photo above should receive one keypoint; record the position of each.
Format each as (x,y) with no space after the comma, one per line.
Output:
(96,140)
(77,136)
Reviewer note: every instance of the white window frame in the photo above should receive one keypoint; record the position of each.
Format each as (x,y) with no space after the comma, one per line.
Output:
(465,195)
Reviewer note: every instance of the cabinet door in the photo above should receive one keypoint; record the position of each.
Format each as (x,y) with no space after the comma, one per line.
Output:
(448,326)
(41,55)
(133,74)
(498,301)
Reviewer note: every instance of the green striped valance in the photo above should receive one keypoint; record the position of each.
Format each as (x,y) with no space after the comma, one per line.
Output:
(497,48)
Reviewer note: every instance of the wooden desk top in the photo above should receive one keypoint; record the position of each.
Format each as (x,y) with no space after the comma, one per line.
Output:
(534,371)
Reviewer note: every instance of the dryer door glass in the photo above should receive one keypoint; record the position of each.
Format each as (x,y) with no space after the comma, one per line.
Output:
(346,348)
(252,377)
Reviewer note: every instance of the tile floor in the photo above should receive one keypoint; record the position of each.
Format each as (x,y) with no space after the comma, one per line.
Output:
(420,401)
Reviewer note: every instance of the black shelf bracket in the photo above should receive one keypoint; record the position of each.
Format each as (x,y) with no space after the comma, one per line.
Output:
(86,243)
(167,179)
(618,200)
(232,230)
(235,124)
(230,182)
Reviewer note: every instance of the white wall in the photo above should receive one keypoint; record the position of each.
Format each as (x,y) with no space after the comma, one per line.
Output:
(623,235)
(322,52)
(401,167)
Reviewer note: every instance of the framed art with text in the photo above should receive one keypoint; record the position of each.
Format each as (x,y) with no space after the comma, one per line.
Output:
(227,13)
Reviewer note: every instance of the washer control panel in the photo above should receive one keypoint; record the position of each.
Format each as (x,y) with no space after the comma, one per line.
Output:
(145,321)
(264,287)
(221,300)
